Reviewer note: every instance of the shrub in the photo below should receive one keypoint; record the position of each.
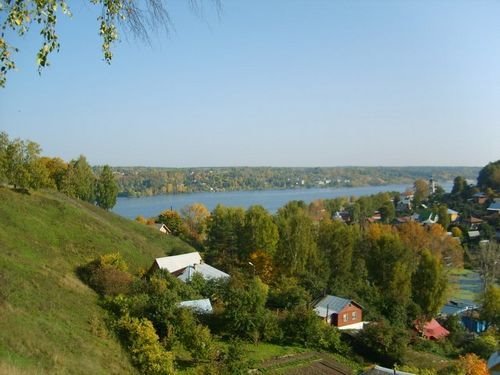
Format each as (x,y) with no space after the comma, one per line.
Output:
(195,337)
(107,275)
(483,345)
(302,326)
(145,349)
(386,343)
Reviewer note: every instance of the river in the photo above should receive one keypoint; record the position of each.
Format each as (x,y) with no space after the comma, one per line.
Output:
(270,199)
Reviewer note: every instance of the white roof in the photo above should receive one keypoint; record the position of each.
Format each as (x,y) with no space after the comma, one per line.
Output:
(474,233)
(205,270)
(178,262)
(198,305)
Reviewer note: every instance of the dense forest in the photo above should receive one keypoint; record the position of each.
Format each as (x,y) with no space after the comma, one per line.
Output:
(138,181)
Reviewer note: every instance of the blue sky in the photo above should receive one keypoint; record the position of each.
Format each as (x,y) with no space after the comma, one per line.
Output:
(271,83)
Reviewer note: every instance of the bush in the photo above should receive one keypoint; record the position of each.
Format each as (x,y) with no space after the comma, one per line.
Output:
(384,342)
(483,345)
(302,326)
(107,275)
(145,349)
(195,337)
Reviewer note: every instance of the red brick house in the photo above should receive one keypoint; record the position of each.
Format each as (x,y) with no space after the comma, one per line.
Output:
(341,312)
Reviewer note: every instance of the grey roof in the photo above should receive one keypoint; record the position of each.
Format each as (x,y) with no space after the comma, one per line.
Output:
(379,370)
(332,304)
(198,305)
(493,361)
(207,271)
(456,308)
(494,206)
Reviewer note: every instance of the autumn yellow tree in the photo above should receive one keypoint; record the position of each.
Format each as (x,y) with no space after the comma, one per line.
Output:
(195,217)
(262,263)
(471,364)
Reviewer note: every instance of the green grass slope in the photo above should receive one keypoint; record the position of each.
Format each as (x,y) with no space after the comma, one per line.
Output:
(50,321)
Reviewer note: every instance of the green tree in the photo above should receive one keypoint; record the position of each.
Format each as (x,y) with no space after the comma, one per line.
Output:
(79,180)
(106,189)
(145,349)
(4,142)
(489,176)
(429,284)
(302,326)
(390,265)
(388,212)
(245,307)
(387,344)
(224,229)
(56,168)
(172,220)
(259,231)
(490,305)
(422,190)
(286,293)
(296,245)
(443,217)
(195,337)
(337,241)
(21,164)
(459,186)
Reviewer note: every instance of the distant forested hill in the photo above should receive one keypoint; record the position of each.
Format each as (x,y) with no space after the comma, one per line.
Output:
(137,181)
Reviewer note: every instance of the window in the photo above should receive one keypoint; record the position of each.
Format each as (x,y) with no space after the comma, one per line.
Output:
(354,315)
(346,317)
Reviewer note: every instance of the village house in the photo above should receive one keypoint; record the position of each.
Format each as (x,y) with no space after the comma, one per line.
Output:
(185,266)
(472,222)
(163,228)
(467,313)
(340,312)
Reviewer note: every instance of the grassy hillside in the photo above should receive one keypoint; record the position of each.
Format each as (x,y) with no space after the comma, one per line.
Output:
(50,321)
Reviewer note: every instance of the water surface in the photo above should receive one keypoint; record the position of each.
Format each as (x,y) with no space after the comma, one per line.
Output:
(270,199)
